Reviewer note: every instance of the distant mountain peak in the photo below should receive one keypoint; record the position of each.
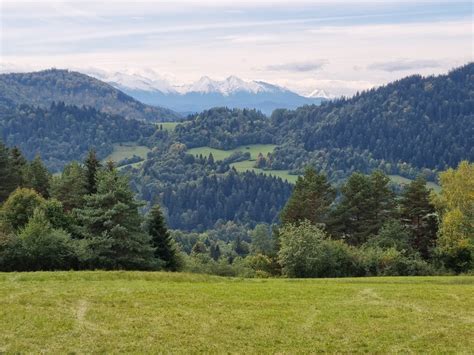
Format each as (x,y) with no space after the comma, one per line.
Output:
(320,94)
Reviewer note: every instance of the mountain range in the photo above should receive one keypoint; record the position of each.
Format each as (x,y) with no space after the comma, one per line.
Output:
(42,88)
(233,92)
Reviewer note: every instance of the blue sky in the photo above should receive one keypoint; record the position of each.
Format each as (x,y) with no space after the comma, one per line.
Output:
(339,46)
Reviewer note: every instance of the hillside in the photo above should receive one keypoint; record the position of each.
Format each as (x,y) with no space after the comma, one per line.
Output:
(136,312)
(411,125)
(62,133)
(45,87)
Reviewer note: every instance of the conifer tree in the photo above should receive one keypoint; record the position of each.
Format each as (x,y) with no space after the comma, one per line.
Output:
(311,199)
(161,240)
(70,188)
(111,224)
(7,181)
(92,165)
(418,214)
(38,177)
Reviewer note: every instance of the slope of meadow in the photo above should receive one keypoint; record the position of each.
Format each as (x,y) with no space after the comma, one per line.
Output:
(146,312)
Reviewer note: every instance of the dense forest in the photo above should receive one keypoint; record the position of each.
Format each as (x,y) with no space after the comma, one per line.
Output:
(88,218)
(197,192)
(62,133)
(45,87)
(410,126)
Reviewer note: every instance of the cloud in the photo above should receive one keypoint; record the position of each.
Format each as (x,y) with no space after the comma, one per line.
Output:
(404,64)
(300,67)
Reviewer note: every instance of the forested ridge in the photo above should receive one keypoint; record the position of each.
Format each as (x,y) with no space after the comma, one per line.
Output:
(45,87)
(417,124)
(62,133)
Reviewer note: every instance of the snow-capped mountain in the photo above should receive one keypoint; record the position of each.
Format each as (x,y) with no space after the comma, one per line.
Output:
(319,93)
(153,89)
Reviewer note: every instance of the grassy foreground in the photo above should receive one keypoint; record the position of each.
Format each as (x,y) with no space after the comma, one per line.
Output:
(146,312)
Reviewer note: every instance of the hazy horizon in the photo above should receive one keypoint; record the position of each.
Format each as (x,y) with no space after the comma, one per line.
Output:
(340,47)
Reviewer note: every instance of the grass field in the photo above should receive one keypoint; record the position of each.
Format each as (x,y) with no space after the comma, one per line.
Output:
(127,150)
(138,312)
(169,126)
(219,154)
(254,150)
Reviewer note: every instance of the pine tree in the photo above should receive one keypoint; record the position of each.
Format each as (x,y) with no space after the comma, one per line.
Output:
(18,166)
(165,249)
(418,214)
(311,199)
(70,188)
(37,177)
(92,165)
(7,180)
(111,224)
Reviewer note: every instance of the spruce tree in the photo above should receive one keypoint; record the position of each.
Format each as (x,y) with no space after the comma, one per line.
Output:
(418,214)
(70,188)
(161,240)
(18,166)
(111,225)
(311,199)
(7,180)
(92,165)
(37,177)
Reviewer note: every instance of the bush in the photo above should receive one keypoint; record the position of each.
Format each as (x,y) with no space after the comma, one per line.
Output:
(391,262)
(306,251)
(38,246)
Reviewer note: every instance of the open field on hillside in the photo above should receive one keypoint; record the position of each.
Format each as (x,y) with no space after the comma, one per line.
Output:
(219,154)
(127,150)
(143,312)
(169,126)
(248,165)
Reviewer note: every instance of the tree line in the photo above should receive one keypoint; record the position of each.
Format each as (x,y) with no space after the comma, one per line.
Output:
(85,218)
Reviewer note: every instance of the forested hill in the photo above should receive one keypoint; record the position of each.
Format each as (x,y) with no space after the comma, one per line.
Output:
(426,122)
(411,125)
(63,133)
(45,87)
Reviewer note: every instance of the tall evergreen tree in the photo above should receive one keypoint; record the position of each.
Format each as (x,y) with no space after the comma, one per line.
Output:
(311,199)
(161,240)
(18,166)
(366,204)
(92,165)
(7,180)
(418,214)
(38,177)
(70,188)
(111,225)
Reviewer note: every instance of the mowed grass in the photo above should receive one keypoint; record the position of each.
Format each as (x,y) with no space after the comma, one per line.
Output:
(139,312)
(248,165)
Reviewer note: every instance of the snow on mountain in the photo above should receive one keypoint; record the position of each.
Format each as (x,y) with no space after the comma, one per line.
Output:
(319,93)
(145,80)
(229,86)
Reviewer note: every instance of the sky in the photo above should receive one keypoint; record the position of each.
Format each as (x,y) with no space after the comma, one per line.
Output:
(340,46)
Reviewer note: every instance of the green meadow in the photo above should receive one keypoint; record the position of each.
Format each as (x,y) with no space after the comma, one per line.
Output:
(144,312)
(247,165)
(127,150)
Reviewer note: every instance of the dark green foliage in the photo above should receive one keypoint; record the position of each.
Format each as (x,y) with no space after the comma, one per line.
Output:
(61,133)
(92,166)
(394,235)
(418,214)
(7,178)
(196,193)
(37,177)
(165,249)
(224,128)
(366,204)
(45,87)
(71,186)
(110,223)
(310,200)
(262,242)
